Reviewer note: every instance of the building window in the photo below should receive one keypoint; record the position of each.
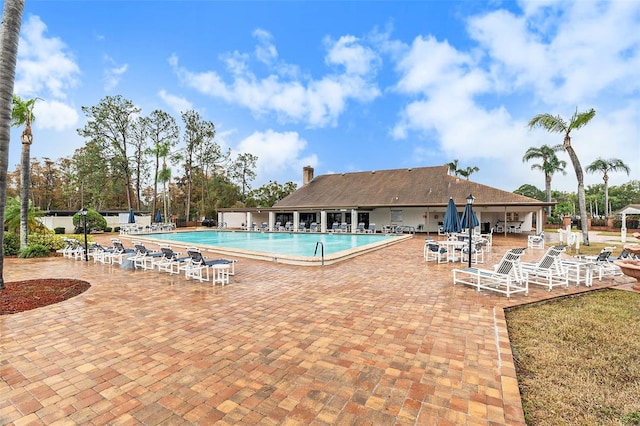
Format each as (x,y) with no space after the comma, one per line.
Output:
(512,217)
(396,216)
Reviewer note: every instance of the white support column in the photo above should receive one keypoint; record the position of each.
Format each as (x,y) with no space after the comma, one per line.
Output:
(296,220)
(220,217)
(354,220)
(249,221)
(272,220)
(623,230)
(323,221)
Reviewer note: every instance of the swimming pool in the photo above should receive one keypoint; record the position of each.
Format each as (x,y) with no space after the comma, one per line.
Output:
(284,247)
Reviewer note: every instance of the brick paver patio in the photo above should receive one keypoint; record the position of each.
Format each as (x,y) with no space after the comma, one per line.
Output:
(382,339)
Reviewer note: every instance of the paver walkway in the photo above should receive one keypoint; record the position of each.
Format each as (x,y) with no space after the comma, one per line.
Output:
(382,339)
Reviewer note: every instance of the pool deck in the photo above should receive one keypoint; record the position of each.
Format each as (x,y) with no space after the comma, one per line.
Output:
(381,339)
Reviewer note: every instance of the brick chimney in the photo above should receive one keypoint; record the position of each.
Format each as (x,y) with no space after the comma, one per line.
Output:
(307,175)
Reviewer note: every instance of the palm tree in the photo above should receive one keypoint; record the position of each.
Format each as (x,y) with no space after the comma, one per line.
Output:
(453,168)
(556,124)
(13,215)
(606,166)
(22,115)
(9,36)
(468,171)
(550,165)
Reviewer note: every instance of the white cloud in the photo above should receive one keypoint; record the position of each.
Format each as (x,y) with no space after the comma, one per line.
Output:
(45,68)
(265,51)
(54,115)
(586,48)
(313,102)
(279,155)
(113,75)
(475,103)
(350,53)
(176,103)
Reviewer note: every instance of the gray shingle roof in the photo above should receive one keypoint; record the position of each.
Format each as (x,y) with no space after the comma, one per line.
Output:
(421,186)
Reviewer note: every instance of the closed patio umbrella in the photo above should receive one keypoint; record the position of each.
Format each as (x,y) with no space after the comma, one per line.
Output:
(464,220)
(132,217)
(158,216)
(451,221)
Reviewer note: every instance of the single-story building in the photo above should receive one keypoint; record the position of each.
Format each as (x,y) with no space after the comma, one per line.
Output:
(629,209)
(414,197)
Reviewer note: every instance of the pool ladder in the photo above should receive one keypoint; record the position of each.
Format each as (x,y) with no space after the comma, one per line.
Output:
(319,243)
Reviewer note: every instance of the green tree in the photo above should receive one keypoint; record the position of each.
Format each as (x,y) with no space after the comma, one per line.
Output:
(269,194)
(549,165)
(606,166)
(556,124)
(242,171)
(453,168)
(9,37)
(22,115)
(110,125)
(13,215)
(531,192)
(197,133)
(95,221)
(164,135)
(468,171)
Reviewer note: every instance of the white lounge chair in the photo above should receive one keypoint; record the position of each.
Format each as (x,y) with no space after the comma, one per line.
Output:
(549,271)
(507,278)
(371,229)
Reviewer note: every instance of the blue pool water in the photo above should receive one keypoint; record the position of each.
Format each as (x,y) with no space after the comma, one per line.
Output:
(298,244)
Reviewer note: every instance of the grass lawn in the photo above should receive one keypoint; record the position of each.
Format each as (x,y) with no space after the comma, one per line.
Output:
(578,359)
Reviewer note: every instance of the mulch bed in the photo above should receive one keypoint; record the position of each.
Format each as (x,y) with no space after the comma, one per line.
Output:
(19,296)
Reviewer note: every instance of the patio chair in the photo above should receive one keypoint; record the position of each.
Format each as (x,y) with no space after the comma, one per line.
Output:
(302,227)
(144,257)
(371,229)
(335,227)
(118,254)
(360,228)
(277,226)
(344,227)
(73,249)
(170,261)
(477,253)
(288,226)
(535,241)
(603,265)
(101,253)
(434,251)
(264,226)
(198,267)
(313,227)
(506,278)
(549,271)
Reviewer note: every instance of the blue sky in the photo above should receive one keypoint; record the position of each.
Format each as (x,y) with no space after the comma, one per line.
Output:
(347,85)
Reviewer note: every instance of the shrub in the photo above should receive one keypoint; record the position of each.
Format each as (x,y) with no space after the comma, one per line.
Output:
(59,230)
(107,229)
(95,222)
(34,250)
(116,229)
(48,239)
(11,244)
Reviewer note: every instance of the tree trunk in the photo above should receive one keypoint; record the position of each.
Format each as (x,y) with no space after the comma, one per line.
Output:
(606,196)
(24,194)
(9,36)
(547,190)
(582,203)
